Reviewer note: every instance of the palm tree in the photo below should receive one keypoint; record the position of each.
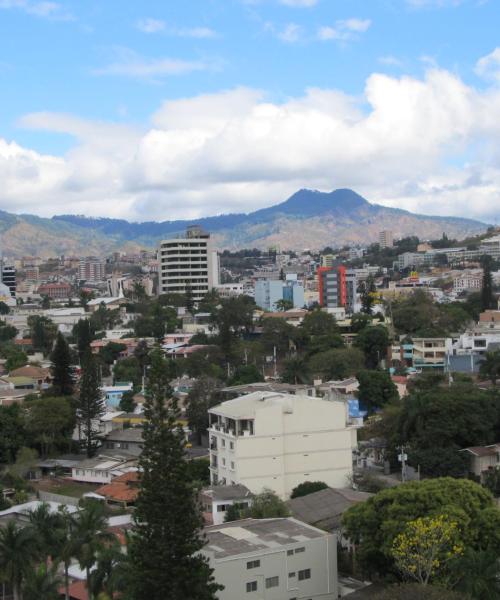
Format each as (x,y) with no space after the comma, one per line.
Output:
(110,574)
(19,550)
(67,545)
(90,536)
(41,584)
(295,370)
(479,575)
(47,525)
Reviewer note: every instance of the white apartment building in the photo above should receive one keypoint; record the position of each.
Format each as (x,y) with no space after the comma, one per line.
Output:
(188,263)
(276,441)
(91,269)
(468,281)
(275,559)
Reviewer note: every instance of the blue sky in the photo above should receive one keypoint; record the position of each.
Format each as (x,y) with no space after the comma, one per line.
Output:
(167,109)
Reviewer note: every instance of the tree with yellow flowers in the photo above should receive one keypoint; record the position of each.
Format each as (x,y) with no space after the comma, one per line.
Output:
(425,547)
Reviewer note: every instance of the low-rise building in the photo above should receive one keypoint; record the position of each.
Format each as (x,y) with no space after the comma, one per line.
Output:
(274,559)
(102,469)
(130,440)
(276,441)
(216,500)
(482,459)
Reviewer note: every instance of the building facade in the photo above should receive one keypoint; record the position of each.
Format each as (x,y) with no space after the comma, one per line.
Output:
(275,559)
(337,288)
(9,279)
(91,269)
(277,441)
(268,293)
(386,239)
(188,264)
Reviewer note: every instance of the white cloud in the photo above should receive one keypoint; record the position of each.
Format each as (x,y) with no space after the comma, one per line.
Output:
(158,26)
(299,3)
(291,33)
(130,64)
(389,60)
(52,11)
(343,30)
(489,66)
(429,144)
(150,25)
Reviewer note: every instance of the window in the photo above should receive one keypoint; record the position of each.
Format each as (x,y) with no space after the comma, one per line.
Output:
(299,550)
(305,574)
(289,552)
(224,461)
(253,564)
(272,582)
(231,445)
(232,465)
(292,574)
(223,442)
(221,508)
(251,586)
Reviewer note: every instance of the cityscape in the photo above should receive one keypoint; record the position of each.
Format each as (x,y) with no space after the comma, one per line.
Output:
(237,368)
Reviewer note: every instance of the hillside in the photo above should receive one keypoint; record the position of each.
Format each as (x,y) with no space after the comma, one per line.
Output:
(308,219)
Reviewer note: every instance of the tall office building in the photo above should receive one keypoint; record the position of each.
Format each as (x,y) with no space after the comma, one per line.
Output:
(188,263)
(91,269)
(386,239)
(337,288)
(9,279)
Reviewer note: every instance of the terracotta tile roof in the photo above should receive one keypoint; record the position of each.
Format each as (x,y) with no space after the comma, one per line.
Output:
(77,591)
(119,489)
(483,450)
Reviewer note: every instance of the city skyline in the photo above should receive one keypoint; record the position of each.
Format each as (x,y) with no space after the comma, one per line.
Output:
(165,112)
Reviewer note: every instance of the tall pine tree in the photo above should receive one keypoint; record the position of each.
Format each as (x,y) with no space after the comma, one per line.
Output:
(164,548)
(61,367)
(90,405)
(84,334)
(487,296)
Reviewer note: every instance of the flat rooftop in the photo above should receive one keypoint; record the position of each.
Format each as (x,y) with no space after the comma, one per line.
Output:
(249,536)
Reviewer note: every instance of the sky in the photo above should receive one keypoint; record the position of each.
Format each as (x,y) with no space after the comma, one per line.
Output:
(158,110)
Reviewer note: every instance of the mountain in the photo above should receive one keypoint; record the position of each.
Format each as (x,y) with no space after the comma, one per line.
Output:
(308,219)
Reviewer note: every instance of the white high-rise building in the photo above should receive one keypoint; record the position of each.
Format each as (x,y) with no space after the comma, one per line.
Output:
(277,441)
(386,239)
(188,263)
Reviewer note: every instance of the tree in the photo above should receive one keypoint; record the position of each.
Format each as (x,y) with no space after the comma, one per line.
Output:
(368,296)
(43,332)
(90,535)
(319,322)
(12,432)
(84,334)
(128,369)
(41,583)
(7,332)
(490,366)
(18,552)
(233,513)
(359,321)
(85,297)
(477,573)
(277,333)
(308,487)
(245,374)
(373,525)
(62,371)
(90,405)
(203,395)
(266,505)
(109,579)
(127,403)
(414,591)
(373,341)
(283,305)
(111,352)
(336,364)
(4,308)
(376,389)
(295,370)
(16,358)
(46,525)
(487,296)
(50,423)
(425,548)
(164,549)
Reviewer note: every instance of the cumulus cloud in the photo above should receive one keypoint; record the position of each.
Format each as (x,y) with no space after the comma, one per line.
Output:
(159,26)
(52,11)
(489,66)
(343,30)
(291,33)
(299,3)
(428,144)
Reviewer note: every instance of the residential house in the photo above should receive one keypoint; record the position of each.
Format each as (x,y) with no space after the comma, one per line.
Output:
(216,500)
(482,459)
(123,490)
(102,469)
(129,439)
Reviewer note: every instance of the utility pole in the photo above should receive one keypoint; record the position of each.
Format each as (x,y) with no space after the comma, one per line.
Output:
(402,458)
(275,366)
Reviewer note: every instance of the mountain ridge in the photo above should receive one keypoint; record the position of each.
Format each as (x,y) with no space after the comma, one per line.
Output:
(308,218)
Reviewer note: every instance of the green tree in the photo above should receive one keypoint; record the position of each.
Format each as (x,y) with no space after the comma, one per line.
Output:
(83,332)
(41,583)
(488,300)
(46,525)
(4,308)
(85,297)
(376,389)
(295,370)
(415,591)
(7,332)
(283,305)
(127,402)
(490,366)
(12,432)
(319,322)
(16,357)
(18,552)
(233,513)
(90,405)
(373,525)
(203,395)
(336,364)
(477,573)
(245,374)
(359,321)
(111,352)
(308,487)
(110,577)
(165,561)
(62,371)
(373,341)
(128,369)
(43,332)
(50,423)
(266,505)
(90,535)
(277,333)
(368,296)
